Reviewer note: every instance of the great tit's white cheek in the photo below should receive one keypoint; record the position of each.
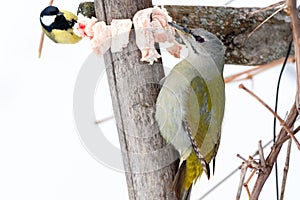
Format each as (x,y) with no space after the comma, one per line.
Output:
(48,20)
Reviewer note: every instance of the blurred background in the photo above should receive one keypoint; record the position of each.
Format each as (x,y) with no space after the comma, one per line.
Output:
(41,153)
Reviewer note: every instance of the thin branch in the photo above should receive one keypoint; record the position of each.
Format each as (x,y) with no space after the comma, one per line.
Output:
(283,140)
(261,154)
(270,7)
(244,168)
(262,177)
(104,120)
(41,44)
(250,163)
(248,74)
(260,25)
(286,169)
(283,124)
(248,180)
(295,24)
(232,173)
(42,37)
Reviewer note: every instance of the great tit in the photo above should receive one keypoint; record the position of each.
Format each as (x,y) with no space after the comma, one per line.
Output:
(58,25)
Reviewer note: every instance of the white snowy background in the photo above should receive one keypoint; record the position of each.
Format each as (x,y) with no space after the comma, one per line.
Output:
(41,154)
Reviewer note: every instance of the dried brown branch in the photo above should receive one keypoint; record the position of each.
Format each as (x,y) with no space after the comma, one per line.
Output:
(42,37)
(248,180)
(286,169)
(268,18)
(41,44)
(295,24)
(282,123)
(287,137)
(243,168)
(105,119)
(270,7)
(248,74)
(249,163)
(262,177)
(261,155)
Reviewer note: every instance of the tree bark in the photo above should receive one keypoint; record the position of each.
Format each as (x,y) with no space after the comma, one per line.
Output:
(150,164)
(233,25)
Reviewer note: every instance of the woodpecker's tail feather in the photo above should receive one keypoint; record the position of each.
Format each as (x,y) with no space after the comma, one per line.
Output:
(179,183)
(189,171)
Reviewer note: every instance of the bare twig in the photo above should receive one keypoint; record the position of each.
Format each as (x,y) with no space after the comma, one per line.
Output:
(283,140)
(260,25)
(244,168)
(283,124)
(42,37)
(104,120)
(41,44)
(270,7)
(262,177)
(248,180)
(242,158)
(261,155)
(250,163)
(248,74)
(295,24)
(286,169)
(232,173)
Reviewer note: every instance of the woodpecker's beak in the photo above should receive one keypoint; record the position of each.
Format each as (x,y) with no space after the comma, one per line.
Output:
(186,32)
(179,28)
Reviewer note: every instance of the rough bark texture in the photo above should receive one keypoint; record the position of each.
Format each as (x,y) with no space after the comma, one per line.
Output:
(150,164)
(233,25)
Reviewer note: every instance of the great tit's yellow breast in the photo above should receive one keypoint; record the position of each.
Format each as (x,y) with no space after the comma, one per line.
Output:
(64,36)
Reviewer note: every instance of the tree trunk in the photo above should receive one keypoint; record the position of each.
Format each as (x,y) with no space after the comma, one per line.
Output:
(150,164)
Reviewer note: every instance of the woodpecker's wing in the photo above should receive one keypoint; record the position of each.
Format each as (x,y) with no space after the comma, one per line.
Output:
(197,119)
(204,118)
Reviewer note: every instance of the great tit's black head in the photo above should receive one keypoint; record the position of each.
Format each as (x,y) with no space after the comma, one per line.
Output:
(50,11)
(48,16)
(51,18)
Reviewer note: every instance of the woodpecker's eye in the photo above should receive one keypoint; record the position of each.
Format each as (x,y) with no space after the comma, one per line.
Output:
(199,39)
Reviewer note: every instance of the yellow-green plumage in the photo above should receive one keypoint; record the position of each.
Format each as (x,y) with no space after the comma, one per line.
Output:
(190,108)
(64,36)
(187,174)
(61,29)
